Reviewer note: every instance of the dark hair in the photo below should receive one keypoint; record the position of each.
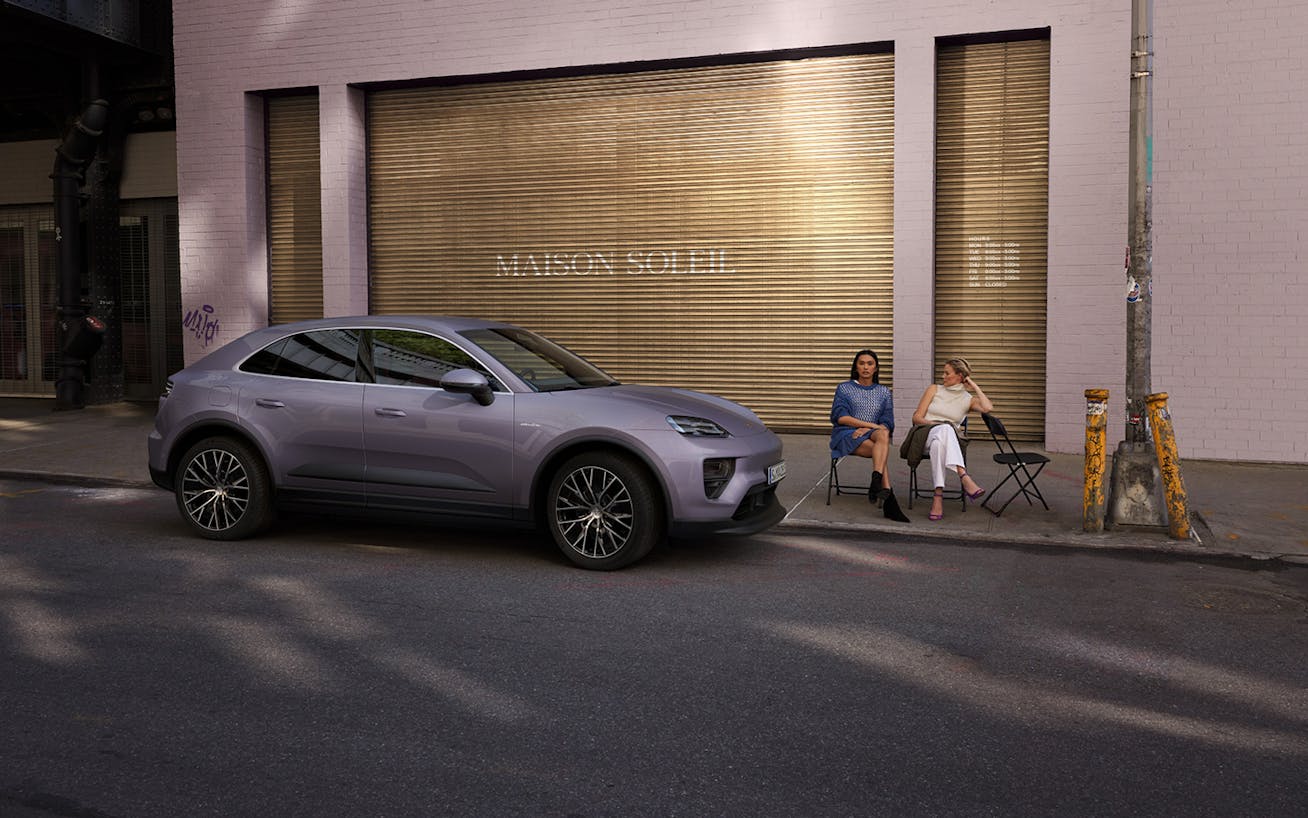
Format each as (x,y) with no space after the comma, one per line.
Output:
(853,367)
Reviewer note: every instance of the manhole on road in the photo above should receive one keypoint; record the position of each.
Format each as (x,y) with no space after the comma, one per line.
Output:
(1244,601)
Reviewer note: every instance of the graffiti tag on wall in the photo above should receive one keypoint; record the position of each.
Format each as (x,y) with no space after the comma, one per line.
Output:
(203,323)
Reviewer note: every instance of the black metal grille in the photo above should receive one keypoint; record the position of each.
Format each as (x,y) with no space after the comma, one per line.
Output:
(149,295)
(13,306)
(134,297)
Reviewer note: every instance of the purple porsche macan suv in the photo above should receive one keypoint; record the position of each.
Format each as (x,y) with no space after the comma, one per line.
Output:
(454,417)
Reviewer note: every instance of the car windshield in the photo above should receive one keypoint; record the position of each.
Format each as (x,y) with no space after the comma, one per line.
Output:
(542,364)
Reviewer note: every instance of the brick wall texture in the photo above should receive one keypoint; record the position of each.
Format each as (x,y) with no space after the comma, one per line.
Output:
(1230,167)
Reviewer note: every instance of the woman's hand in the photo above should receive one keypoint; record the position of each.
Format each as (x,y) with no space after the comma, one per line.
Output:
(980,403)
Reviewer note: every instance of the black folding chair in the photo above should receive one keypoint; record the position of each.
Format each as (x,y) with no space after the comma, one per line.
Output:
(1020,465)
(916,490)
(833,481)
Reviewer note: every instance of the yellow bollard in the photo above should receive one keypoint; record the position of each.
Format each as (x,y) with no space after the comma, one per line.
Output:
(1096,460)
(1169,465)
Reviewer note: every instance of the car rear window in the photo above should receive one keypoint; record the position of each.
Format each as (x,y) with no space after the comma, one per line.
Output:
(324,355)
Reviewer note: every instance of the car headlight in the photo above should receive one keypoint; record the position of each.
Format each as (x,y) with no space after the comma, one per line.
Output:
(696,427)
(168,388)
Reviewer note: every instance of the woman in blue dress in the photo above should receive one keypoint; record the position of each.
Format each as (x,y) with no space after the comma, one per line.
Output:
(863,419)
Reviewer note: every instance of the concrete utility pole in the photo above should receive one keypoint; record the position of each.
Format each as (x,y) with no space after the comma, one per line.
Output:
(1135,477)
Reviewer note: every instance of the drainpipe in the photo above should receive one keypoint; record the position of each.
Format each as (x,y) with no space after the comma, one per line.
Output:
(80,334)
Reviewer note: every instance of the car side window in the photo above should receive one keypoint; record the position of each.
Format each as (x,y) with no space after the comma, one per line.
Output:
(324,355)
(407,358)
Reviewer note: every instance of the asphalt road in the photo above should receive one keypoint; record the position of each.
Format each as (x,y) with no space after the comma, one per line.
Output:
(339,668)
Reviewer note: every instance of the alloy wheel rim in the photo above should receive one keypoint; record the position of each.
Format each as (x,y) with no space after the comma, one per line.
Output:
(215,489)
(594,512)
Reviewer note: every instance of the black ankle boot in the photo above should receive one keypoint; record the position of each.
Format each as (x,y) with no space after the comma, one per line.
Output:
(874,489)
(891,508)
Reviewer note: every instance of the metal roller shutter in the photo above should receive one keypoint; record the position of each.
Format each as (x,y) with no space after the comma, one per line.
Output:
(724,228)
(992,217)
(294,210)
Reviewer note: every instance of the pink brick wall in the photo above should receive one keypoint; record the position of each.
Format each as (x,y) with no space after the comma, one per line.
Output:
(915,115)
(1231,226)
(227,49)
(344,201)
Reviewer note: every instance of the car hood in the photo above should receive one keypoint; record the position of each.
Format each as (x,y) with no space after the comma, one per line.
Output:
(649,406)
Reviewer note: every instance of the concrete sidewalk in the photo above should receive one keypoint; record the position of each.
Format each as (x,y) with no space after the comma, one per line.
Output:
(1246,510)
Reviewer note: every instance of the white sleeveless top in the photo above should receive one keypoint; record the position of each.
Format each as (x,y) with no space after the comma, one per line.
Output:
(950,403)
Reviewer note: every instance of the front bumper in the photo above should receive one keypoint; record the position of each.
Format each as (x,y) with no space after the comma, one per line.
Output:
(758,511)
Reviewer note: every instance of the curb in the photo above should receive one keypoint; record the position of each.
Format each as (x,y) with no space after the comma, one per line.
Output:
(87,480)
(1103,544)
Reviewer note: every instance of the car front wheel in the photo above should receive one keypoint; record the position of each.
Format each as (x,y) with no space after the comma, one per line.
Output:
(604,512)
(223,490)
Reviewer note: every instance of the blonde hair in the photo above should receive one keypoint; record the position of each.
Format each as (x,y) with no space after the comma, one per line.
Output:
(961,366)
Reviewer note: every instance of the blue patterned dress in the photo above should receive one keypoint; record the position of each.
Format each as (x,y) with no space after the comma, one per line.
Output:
(871,403)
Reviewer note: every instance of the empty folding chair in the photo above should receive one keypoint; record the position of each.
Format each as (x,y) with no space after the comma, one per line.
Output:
(1023,467)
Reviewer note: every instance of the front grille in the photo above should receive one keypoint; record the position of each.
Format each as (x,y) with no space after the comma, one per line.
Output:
(757,500)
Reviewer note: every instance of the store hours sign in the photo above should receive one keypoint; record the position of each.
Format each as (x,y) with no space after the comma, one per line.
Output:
(681,261)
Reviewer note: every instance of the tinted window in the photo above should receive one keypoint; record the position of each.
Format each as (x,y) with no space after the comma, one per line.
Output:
(325,355)
(543,364)
(264,362)
(417,359)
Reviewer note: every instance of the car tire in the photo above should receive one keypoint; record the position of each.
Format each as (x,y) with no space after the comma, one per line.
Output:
(604,511)
(222,489)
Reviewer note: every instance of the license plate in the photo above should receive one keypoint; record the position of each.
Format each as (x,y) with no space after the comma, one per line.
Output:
(776,472)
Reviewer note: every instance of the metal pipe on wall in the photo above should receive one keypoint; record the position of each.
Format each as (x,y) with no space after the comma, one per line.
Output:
(78,337)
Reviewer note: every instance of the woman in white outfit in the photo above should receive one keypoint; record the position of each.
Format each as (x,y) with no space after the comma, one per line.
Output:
(943,407)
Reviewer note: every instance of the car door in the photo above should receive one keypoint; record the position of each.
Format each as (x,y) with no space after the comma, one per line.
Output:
(428,449)
(304,403)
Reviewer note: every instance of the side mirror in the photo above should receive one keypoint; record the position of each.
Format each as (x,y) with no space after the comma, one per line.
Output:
(468,382)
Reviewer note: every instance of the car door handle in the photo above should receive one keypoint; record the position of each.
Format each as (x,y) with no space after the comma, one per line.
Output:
(269,403)
(390,413)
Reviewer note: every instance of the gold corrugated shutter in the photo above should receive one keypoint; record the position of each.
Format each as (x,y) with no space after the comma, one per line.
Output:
(294,210)
(992,217)
(724,228)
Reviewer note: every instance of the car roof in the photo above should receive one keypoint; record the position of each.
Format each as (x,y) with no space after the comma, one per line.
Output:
(235,351)
(446,323)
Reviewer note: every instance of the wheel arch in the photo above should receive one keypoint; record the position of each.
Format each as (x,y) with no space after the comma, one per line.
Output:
(551,464)
(212,428)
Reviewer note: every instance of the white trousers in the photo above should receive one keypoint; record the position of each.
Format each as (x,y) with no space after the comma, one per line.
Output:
(943,449)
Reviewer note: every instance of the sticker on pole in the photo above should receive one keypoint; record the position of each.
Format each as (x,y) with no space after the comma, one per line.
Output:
(1132,290)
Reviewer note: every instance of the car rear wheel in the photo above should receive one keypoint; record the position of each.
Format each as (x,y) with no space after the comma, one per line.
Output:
(223,489)
(604,511)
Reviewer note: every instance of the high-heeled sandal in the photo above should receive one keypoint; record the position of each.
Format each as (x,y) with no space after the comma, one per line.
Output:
(976,495)
(931,515)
